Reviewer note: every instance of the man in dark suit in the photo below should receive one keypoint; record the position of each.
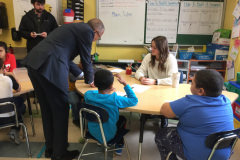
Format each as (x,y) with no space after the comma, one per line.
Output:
(48,67)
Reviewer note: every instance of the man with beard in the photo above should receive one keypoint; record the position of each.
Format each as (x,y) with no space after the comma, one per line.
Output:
(36,24)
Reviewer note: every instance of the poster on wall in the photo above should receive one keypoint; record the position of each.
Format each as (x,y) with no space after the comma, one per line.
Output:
(234,53)
(236,29)
(230,70)
(236,11)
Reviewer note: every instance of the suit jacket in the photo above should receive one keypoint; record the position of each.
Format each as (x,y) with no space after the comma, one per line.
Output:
(52,56)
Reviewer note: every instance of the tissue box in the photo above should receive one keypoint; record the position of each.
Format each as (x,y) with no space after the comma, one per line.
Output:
(222,41)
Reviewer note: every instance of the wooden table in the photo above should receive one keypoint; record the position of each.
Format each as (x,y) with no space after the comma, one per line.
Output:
(151,100)
(26,88)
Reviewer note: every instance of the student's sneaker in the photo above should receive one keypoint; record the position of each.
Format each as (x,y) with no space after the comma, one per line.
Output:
(119,151)
(14,136)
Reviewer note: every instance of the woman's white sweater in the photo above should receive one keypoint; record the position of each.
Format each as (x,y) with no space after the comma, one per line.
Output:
(164,77)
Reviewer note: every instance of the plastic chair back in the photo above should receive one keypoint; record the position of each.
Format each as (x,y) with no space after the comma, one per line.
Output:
(221,140)
(91,117)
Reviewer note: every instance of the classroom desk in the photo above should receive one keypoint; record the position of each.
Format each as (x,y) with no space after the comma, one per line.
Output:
(115,63)
(151,100)
(26,89)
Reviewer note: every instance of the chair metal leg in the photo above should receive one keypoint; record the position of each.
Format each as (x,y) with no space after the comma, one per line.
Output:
(27,141)
(143,119)
(168,156)
(105,153)
(130,117)
(32,124)
(85,144)
(126,146)
(30,113)
(36,104)
(139,151)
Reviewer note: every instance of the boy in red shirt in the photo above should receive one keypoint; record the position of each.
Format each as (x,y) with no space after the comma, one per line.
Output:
(9,59)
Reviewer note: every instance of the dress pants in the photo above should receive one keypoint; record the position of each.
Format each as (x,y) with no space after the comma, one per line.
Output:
(55,112)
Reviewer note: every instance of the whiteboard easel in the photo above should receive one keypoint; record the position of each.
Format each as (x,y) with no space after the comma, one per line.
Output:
(123,21)
(201,18)
(162,19)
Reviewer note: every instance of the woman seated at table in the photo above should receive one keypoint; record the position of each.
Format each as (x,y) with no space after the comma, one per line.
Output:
(157,67)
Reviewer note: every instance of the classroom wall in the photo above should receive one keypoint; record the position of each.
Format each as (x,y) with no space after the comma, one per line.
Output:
(105,52)
(6,34)
(229,19)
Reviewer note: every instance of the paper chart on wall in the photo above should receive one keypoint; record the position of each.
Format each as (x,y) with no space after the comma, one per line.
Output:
(230,70)
(236,11)
(234,53)
(162,19)
(236,29)
(201,18)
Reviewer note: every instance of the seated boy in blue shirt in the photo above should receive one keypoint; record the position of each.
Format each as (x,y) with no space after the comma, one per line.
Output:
(205,112)
(106,98)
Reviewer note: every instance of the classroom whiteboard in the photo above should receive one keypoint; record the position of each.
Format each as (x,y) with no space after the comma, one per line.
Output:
(20,6)
(198,17)
(123,20)
(162,19)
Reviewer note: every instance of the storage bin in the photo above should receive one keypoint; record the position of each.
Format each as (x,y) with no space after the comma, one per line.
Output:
(185,55)
(236,122)
(216,49)
(224,33)
(203,56)
(236,109)
(234,87)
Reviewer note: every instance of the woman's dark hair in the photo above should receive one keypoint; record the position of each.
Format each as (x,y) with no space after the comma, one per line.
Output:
(103,79)
(211,81)
(39,1)
(162,46)
(4,45)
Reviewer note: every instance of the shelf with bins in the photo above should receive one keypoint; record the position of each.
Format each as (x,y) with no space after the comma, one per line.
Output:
(196,65)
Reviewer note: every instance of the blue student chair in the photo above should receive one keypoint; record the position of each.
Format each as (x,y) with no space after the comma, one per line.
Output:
(9,118)
(98,115)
